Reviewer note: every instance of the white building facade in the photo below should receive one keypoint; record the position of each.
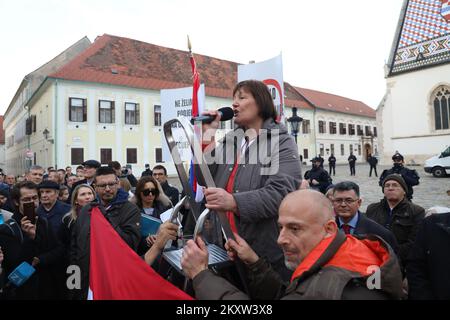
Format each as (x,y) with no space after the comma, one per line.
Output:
(415,112)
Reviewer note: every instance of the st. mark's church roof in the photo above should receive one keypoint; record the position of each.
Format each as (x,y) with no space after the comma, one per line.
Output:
(422,38)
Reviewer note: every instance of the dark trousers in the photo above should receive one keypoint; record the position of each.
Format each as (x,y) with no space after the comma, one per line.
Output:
(352,170)
(374,168)
(333,168)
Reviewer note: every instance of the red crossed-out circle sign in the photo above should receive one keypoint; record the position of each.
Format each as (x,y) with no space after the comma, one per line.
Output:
(277,95)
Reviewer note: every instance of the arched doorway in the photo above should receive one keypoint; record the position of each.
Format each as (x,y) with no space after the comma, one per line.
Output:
(367,150)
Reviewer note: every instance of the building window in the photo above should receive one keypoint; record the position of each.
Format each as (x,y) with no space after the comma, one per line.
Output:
(441,105)
(131,155)
(322,126)
(105,111)
(306,126)
(322,151)
(158,155)
(342,150)
(222,125)
(351,148)
(367,131)
(131,113)
(351,129)
(77,156)
(342,128)
(332,127)
(375,133)
(359,149)
(359,130)
(157,115)
(77,110)
(105,156)
(332,148)
(305,154)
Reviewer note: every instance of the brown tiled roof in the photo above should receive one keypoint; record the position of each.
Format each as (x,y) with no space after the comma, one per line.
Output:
(143,65)
(294,99)
(331,102)
(2,131)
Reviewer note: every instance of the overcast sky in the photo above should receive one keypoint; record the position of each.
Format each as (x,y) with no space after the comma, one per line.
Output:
(338,47)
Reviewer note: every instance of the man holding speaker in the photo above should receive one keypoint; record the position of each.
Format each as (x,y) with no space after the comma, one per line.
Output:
(254,167)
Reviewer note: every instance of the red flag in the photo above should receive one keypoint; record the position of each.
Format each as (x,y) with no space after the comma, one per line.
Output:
(195,113)
(118,273)
(196,85)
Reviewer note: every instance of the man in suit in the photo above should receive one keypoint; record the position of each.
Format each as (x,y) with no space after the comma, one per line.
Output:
(346,203)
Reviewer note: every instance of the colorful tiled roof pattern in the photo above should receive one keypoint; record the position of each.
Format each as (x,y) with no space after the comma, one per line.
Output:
(424,36)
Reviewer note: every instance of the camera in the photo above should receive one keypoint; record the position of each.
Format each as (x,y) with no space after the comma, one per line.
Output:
(125,172)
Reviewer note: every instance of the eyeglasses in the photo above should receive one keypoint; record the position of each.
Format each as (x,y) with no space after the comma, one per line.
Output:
(146,192)
(347,201)
(103,186)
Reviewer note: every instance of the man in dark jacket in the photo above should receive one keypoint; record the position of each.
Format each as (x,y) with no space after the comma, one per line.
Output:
(89,168)
(320,255)
(51,208)
(322,160)
(23,240)
(346,203)
(160,174)
(397,214)
(410,176)
(317,177)
(373,161)
(332,164)
(352,163)
(147,171)
(428,268)
(123,215)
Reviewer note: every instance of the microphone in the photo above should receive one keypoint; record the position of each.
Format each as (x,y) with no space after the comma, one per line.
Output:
(226,113)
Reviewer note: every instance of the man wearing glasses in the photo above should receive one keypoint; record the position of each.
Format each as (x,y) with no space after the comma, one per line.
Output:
(346,202)
(123,215)
(397,214)
(160,174)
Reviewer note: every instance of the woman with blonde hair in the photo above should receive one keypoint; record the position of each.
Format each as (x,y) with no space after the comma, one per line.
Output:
(81,195)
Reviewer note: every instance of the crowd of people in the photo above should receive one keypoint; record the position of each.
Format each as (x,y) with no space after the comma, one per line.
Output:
(295,238)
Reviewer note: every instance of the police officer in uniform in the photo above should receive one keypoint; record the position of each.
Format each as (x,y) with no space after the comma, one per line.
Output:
(409,175)
(318,178)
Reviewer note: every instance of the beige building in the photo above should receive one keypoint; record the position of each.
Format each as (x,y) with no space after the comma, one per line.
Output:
(341,126)
(19,123)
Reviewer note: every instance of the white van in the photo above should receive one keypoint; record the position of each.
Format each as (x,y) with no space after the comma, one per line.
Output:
(439,165)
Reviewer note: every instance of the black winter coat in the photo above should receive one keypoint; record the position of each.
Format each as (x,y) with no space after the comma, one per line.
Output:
(17,247)
(428,268)
(125,219)
(404,223)
(321,176)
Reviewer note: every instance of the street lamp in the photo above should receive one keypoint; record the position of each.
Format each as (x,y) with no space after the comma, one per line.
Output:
(295,122)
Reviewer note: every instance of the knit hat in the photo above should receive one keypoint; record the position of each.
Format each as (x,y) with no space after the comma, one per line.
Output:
(398,178)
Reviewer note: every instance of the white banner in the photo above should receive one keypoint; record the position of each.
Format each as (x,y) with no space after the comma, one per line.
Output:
(271,73)
(177,103)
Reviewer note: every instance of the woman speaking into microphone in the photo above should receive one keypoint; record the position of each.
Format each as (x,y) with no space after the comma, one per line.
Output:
(254,167)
